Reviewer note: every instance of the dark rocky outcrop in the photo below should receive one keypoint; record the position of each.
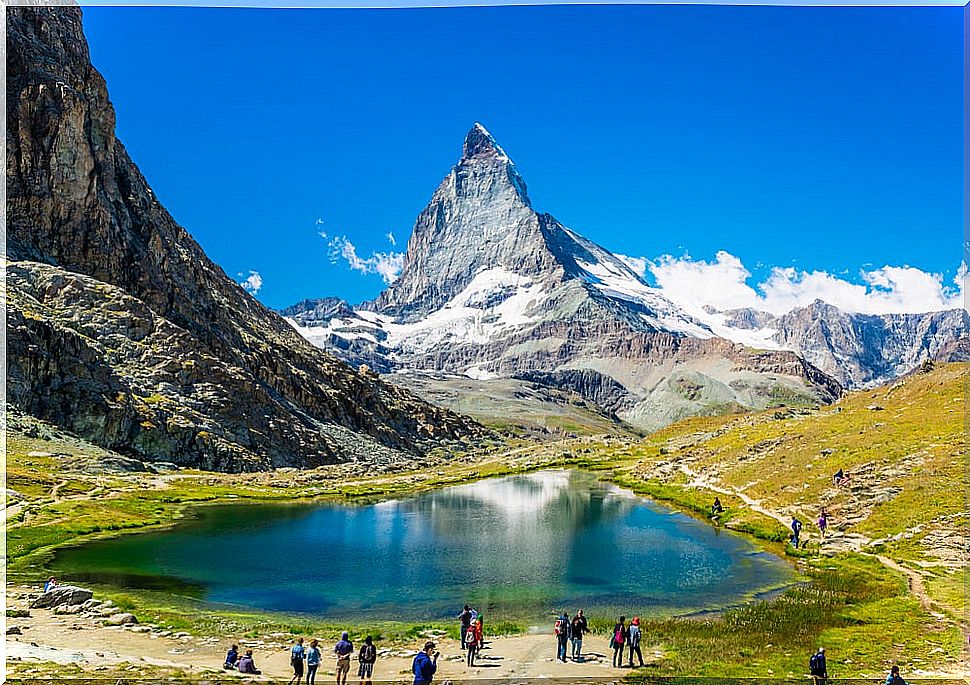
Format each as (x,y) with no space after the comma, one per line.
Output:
(123,330)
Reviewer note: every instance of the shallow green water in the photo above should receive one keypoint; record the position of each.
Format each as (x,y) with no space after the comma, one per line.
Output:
(516,547)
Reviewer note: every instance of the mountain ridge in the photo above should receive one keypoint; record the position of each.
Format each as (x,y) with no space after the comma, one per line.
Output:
(86,231)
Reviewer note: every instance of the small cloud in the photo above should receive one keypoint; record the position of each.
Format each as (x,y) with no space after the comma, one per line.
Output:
(319,221)
(252,283)
(391,239)
(387,264)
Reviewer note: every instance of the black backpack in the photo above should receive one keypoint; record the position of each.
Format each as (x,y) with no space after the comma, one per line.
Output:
(813,664)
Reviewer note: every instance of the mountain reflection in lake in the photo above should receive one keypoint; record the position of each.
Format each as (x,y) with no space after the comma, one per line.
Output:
(518,547)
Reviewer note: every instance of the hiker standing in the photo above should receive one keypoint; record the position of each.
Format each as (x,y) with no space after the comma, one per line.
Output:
(425,664)
(367,656)
(343,650)
(816,666)
(562,636)
(465,617)
(297,655)
(894,678)
(313,657)
(823,522)
(634,632)
(471,643)
(617,641)
(796,529)
(577,629)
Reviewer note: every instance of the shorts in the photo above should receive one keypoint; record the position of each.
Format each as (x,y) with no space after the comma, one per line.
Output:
(343,665)
(366,670)
(297,665)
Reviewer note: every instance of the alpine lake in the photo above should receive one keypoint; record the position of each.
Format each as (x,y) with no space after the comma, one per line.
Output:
(515,547)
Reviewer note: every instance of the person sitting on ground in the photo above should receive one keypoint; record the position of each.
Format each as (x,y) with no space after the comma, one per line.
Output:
(837,477)
(367,656)
(247,664)
(232,656)
(343,650)
(425,664)
(716,508)
(50,584)
(894,678)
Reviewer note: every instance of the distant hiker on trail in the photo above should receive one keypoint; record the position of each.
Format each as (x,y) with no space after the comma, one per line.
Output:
(617,641)
(247,665)
(343,650)
(823,522)
(232,656)
(838,478)
(313,658)
(465,617)
(297,655)
(577,629)
(894,678)
(425,664)
(561,629)
(716,508)
(634,633)
(471,643)
(816,666)
(796,529)
(50,584)
(366,656)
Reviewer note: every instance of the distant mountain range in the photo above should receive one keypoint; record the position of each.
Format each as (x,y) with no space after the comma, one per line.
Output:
(122,330)
(490,288)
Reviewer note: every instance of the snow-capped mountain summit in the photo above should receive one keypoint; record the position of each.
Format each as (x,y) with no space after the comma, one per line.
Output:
(492,288)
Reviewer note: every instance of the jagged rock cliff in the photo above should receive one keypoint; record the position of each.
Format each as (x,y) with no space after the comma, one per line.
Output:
(119,326)
(492,288)
(859,349)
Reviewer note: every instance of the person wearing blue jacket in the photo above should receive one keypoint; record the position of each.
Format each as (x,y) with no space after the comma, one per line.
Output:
(425,664)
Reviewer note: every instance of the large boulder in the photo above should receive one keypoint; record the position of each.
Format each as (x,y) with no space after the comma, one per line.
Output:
(122,619)
(64,595)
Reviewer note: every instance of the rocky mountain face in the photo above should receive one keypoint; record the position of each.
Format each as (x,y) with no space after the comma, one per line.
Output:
(491,288)
(859,350)
(123,331)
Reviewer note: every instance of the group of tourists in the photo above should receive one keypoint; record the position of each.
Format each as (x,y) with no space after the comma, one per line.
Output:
(570,631)
(471,633)
(310,657)
(243,664)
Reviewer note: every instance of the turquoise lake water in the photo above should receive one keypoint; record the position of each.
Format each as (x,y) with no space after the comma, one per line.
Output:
(517,547)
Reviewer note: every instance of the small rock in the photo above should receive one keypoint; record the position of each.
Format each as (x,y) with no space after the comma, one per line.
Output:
(122,619)
(14,630)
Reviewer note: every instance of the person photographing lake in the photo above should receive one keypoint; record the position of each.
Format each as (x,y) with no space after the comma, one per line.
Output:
(425,664)
(343,650)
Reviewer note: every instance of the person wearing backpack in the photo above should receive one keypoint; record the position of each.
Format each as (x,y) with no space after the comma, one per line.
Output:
(471,643)
(634,633)
(562,636)
(796,530)
(577,629)
(367,656)
(297,655)
(816,666)
(618,640)
(894,678)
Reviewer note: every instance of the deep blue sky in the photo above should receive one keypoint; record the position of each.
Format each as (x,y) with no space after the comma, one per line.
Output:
(825,138)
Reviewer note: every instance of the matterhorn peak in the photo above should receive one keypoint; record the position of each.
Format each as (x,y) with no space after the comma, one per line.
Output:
(480,143)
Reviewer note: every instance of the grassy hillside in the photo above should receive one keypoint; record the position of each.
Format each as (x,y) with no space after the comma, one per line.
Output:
(898,527)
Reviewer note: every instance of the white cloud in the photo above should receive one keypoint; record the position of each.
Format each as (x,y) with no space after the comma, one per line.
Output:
(252,283)
(391,239)
(387,264)
(723,284)
(638,264)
